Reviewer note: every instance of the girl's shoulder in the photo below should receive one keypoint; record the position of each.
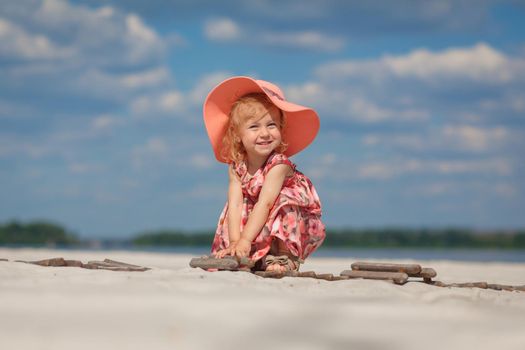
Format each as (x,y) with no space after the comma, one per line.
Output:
(276,159)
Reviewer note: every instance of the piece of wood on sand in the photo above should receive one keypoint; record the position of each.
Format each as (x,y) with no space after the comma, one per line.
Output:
(396,277)
(270,274)
(229,263)
(113,266)
(325,276)
(501,287)
(482,285)
(123,264)
(74,263)
(409,269)
(305,274)
(49,262)
(308,274)
(2,259)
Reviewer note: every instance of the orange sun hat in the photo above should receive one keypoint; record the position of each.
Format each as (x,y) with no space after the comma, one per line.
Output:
(302,123)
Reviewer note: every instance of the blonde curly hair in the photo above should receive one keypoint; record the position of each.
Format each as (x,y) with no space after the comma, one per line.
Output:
(245,108)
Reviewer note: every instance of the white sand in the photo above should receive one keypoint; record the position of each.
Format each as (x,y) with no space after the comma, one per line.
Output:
(174,306)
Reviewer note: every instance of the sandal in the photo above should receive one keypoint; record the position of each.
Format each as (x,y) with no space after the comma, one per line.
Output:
(289,263)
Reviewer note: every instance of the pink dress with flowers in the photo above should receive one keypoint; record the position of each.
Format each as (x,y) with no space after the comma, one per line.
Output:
(295,217)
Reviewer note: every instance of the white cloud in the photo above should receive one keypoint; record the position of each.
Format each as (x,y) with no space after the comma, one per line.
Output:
(58,45)
(222,29)
(475,138)
(413,142)
(169,103)
(122,37)
(350,105)
(323,166)
(84,168)
(472,189)
(201,161)
(142,40)
(147,78)
(18,43)
(105,122)
(384,170)
(203,192)
(359,109)
(310,40)
(312,93)
(479,63)
(450,137)
(12,146)
(204,85)
(155,149)
(227,30)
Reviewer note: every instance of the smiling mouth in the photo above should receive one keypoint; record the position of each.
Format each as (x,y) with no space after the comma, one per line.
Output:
(265,143)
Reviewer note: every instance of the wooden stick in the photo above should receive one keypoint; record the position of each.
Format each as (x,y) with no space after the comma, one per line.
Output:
(50,262)
(340,278)
(74,263)
(482,285)
(500,287)
(409,269)
(102,265)
(228,262)
(122,264)
(310,274)
(207,262)
(2,259)
(270,274)
(396,277)
(325,276)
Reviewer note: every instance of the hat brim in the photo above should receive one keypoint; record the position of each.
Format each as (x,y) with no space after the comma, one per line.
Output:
(302,123)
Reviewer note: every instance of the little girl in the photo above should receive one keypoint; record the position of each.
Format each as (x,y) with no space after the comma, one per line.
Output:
(273,212)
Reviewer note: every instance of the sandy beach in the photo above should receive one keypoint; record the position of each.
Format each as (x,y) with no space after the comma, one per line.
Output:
(173,306)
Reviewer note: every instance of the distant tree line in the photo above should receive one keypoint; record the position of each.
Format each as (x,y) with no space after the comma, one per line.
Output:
(365,238)
(424,238)
(38,232)
(173,238)
(48,233)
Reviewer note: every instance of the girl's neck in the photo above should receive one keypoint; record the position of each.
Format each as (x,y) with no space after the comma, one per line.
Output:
(254,164)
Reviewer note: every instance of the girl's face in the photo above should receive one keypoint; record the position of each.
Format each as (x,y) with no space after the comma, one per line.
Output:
(262,134)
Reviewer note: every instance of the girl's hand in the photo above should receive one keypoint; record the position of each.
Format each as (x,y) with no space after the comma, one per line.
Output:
(243,247)
(228,251)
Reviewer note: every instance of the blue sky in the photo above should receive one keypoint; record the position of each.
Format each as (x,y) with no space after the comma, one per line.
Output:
(422,108)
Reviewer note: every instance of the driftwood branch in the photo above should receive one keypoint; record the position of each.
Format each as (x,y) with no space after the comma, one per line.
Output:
(229,263)
(409,269)
(396,277)
(107,264)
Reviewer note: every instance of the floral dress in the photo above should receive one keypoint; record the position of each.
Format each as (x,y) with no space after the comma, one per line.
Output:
(295,217)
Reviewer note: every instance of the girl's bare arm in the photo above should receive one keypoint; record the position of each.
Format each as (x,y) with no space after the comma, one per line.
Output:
(269,192)
(234,206)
